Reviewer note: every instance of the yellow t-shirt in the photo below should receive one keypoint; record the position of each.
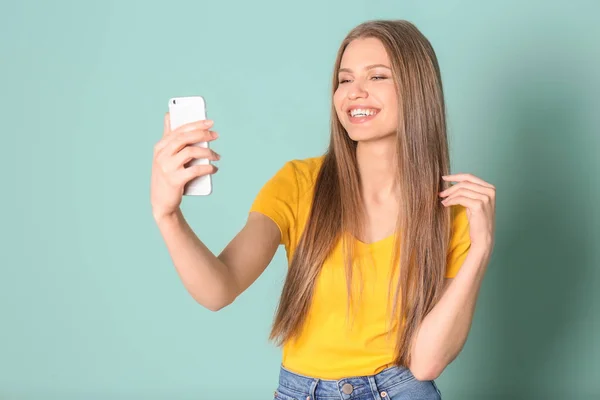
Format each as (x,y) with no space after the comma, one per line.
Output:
(332,344)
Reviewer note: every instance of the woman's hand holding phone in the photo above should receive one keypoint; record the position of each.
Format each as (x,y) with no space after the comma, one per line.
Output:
(169,170)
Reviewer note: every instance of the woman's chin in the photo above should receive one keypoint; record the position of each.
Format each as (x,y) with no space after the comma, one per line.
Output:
(369,135)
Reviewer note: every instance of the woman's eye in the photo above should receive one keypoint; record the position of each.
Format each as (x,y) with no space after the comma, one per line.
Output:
(375,78)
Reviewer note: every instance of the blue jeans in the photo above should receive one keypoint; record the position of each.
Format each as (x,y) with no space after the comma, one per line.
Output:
(394,383)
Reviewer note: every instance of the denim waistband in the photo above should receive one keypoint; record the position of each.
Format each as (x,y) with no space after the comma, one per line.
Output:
(369,387)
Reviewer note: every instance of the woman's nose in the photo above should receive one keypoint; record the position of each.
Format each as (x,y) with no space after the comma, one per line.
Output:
(357,90)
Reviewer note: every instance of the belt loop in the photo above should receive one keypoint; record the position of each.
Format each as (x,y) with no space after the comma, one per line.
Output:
(374,389)
(313,389)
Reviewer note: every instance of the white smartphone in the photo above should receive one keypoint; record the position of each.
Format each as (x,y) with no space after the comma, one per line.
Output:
(183,110)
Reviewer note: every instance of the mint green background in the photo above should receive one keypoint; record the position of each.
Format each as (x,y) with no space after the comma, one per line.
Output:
(91,306)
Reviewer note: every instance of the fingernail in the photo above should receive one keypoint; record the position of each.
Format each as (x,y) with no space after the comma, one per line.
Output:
(208,122)
(214,135)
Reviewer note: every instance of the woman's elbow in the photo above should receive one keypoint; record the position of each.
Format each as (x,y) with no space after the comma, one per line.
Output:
(427,371)
(216,302)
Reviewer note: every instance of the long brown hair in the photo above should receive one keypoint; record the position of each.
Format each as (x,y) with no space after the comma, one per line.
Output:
(337,211)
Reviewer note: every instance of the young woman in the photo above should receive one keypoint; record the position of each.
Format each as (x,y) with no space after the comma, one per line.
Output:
(386,258)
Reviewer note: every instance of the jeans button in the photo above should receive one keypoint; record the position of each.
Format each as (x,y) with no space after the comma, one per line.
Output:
(347,388)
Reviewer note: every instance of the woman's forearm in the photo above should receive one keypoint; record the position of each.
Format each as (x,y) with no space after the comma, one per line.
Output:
(204,276)
(444,330)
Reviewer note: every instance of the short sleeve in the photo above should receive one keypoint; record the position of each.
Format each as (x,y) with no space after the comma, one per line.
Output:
(460,241)
(278,200)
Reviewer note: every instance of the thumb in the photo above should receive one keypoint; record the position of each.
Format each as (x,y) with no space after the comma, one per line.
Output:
(166,125)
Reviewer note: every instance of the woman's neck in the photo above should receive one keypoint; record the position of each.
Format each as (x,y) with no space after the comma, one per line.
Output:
(377,166)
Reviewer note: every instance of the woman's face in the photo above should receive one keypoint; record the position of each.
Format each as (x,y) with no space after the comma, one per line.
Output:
(365,100)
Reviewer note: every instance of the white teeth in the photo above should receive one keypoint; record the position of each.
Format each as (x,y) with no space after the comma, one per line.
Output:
(359,112)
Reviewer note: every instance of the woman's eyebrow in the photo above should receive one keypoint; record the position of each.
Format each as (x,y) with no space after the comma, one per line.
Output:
(368,67)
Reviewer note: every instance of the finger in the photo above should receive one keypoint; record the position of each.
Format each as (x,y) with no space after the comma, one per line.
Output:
(468,193)
(468,202)
(187,174)
(193,126)
(193,152)
(178,141)
(189,127)
(467,185)
(199,135)
(466,177)
(172,135)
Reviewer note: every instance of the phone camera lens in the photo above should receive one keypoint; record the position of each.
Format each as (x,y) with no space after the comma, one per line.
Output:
(174,101)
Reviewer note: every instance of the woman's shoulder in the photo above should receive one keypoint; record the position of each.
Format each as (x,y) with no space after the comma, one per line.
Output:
(306,169)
